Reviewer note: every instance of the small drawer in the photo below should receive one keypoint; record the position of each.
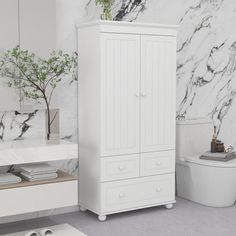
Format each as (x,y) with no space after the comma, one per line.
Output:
(157,163)
(38,198)
(119,167)
(136,193)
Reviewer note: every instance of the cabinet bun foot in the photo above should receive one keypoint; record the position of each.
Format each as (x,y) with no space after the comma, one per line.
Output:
(102,217)
(169,206)
(82,208)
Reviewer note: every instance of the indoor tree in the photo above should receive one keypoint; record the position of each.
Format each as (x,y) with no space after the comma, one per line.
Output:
(36,77)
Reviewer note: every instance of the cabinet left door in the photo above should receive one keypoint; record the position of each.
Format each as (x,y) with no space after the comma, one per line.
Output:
(9,38)
(120,86)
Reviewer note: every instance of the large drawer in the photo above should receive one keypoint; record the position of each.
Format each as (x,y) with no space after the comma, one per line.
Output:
(134,193)
(119,167)
(38,197)
(154,163)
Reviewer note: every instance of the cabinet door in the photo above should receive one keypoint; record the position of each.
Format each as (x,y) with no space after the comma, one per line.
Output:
(158,79)
(120,83)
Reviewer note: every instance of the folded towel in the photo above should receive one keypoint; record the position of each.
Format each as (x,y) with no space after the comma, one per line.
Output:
(38,177)
(32,233)
(38,168)
(45,232)
(9,178)
(218,154)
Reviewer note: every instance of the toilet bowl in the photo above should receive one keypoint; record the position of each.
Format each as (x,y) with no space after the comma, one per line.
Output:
(210,183)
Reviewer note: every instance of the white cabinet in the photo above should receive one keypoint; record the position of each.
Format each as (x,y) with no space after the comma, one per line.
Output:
(126,116)
(33,198)
(28,197)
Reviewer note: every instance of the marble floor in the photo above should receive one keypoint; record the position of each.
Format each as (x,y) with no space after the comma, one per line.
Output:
(185,219)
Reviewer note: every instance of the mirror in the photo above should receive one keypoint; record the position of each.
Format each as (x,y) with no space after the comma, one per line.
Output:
(31,24)
(9,38)
(39,26)
(37,33)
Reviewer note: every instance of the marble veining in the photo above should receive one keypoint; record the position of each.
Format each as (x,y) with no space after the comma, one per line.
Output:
(207,61)
(127,10)
(15,125)
(2,126)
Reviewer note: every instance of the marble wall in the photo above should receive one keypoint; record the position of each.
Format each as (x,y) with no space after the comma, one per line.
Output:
(206,54)
(16,125)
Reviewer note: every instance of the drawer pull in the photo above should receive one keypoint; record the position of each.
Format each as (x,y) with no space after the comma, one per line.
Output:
(158,163)
(121,195)
(121,168)
(158,190)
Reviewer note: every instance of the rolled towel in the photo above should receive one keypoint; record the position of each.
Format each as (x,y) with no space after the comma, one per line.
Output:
(45,232)
(32,233)
(9,178)
(38,168)
(38,177)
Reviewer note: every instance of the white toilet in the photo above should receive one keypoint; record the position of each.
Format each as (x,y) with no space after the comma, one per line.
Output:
(210,183)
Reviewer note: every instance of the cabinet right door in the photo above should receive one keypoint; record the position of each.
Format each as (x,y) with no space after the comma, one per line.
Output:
(158,92)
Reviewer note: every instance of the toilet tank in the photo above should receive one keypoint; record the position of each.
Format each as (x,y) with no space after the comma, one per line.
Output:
(193,136)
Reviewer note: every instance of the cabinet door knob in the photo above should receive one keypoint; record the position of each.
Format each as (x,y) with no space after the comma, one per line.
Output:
(143,94)
(158,189)
(121,167)
(121,195)
(137,95)
(158,163)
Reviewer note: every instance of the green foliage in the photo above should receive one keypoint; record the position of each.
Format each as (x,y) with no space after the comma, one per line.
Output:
(36,77)
(106,6)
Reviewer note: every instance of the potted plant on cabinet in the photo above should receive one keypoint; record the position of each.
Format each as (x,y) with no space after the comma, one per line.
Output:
(36,77)
(106,7)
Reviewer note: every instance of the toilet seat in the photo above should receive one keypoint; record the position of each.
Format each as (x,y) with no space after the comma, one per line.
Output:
(196,160)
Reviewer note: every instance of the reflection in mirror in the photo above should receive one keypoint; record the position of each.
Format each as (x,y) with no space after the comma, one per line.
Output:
(9,38)
(37,21)
(38,26)
(31,24)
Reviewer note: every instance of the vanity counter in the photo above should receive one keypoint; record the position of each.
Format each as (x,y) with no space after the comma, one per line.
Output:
(33,151)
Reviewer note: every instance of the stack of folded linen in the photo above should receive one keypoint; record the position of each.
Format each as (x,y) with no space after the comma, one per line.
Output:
(9,178)
(218,156)
(37,172)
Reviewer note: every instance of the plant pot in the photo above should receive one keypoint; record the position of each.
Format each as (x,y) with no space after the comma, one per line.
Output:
(52,126)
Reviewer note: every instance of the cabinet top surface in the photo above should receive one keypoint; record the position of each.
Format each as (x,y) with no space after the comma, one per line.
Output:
(125,24)
(33,151)
(34,143)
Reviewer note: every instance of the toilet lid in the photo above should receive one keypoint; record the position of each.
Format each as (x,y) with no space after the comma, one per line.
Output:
(196,159)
